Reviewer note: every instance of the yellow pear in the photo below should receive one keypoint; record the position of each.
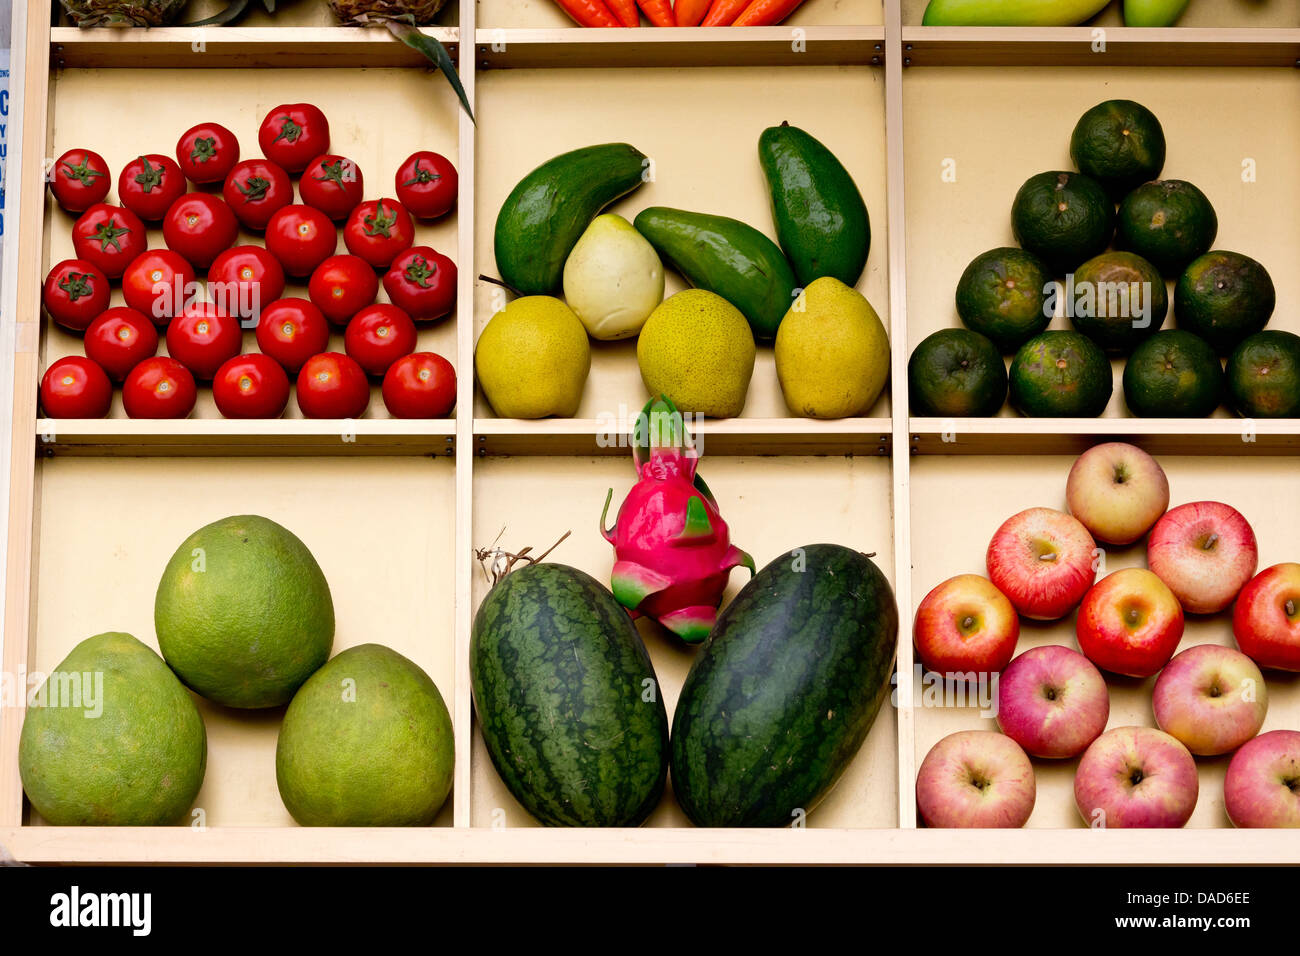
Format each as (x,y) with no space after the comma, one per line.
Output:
(832,352)
(532,359)
(697,349)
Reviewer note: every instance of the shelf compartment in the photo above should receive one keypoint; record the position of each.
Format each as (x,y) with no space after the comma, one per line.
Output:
(107,527)
(948,539)
(533,501)
(1056,436)
(842,106)
(1223,127)
(87,109)
(547,15)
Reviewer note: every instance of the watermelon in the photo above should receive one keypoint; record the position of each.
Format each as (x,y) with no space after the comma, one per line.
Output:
(567,699)
(783,693)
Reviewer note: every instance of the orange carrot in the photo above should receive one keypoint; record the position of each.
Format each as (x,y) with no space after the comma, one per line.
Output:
(722,12)
(625,12)
(765,13)
(588,13)
(659,12)
(689,13)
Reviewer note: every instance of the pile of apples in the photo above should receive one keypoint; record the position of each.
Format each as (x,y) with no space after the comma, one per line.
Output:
(1053,702)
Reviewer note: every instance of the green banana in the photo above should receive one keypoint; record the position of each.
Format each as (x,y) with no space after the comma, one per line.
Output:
(1153,13)
(1010,13)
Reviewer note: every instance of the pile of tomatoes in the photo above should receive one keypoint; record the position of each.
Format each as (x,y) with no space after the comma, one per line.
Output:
(203,324)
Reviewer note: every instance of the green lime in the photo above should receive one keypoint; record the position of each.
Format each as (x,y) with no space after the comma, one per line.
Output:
(1060,375)
(1117,299)
(1173,374)
(1224,297)
(956,372)
(1264,375)
(1063,218)
(1167,222)
(1002,294)
(1120,144)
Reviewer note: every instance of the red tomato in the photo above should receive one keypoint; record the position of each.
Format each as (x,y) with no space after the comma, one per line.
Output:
(109,237)
(74,293)
(420,385)
(378,336)
(301,238)
(422,283)
(200,226)
(342,286)
(333,185)
(294,135)
(149,184)
(331,385)
(255,189)
(119,340)
(378,230)
(75,387)
(159,387)
(291,331)
(159,283)
(207,153)
(242,279)
(202,337)
(251,386)
(426,185)
(79,179)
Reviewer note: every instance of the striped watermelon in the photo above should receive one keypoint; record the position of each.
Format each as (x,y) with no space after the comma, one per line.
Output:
(567,699)
(784,691)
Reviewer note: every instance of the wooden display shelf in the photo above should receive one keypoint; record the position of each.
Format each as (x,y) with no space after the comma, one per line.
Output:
(395,498)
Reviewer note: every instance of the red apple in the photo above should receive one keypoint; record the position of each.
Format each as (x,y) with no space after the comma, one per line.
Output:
(1136,777)
(1118,491)
(1205,551)
(1266,620)
(966,626)
(1262,788)
(1129,623)
(975,778)
(1042,560)
(1052,702)
(1212,698)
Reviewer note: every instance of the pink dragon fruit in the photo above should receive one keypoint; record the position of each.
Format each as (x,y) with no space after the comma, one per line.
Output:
(672,550)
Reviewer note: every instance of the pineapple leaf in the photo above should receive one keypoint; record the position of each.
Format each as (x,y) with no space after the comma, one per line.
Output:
(436,53)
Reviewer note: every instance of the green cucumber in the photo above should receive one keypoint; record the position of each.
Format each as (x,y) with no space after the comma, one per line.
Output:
(726,257)
(783,693)
(821,219)
(567,699)
(547,212)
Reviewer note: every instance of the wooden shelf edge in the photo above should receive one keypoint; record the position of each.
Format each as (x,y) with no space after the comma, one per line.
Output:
(500,48)
(1061,436)
(238,47)
(1099,46)
(734,436)
(217,437)
(813,846)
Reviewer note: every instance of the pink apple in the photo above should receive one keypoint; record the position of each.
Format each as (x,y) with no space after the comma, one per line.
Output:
(1266,620)
(1052,702)
(966,625)
(1042,560)
(1262,788)
(1136,777)
(1117,491)
(1211,698)
(975,778)
(1129,623)
(1205,551)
